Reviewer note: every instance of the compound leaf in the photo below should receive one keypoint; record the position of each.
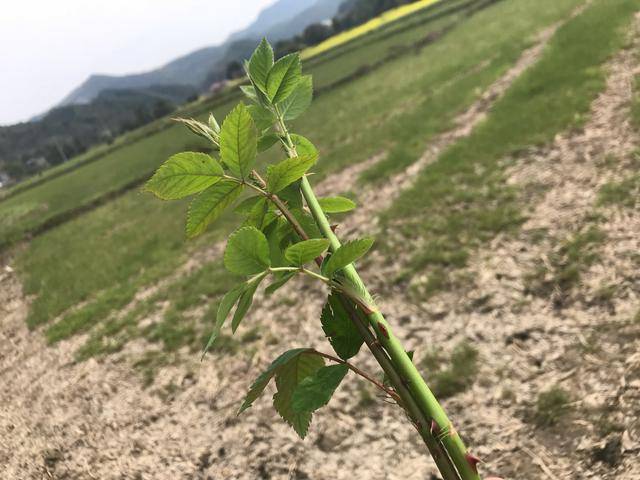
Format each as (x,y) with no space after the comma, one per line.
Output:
(239,141)
(347,254)
(303,145)
(184,174)
(292,195)
(267,141)
(260,63)
(307,222)
(316,390)
(299,100)
(305,251)
(262,117)
(288,377)
(250,92)
(225,306)
(343,335)
(263,380)
(283,78)
(209,205)
(247,252)
(246,299)
(284,173)
(336,204)
(246,205)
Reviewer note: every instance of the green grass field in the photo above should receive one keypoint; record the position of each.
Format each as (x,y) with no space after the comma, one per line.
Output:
(91,266)
(552,96)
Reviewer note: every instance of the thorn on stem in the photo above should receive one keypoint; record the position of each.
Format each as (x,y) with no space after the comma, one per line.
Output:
(334,228)
(435,428)
(473,461)
(383,331)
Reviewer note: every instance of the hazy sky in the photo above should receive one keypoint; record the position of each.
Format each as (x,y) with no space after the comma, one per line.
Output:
(48,47)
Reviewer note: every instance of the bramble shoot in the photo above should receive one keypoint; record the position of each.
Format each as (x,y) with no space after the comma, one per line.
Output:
(285,231)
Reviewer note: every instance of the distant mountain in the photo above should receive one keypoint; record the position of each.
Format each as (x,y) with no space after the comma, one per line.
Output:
(280,11)
(282,19)
(319,11)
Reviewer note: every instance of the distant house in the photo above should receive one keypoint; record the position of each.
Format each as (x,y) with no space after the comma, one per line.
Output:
(37,163)
(4,179)
(216,87)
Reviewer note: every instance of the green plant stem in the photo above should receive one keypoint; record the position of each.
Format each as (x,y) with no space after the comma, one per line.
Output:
(419,420)
(416,384)
(313,274)
(284,269)
(409,374)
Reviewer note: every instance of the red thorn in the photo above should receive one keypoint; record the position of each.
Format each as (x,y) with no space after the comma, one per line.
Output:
(383,330)
(334,228)
(473,461)
(435,428)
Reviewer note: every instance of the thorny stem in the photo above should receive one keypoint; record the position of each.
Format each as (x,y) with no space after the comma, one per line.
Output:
(277,201)
(418,418)
(361,373)
(420,421)
(450,440)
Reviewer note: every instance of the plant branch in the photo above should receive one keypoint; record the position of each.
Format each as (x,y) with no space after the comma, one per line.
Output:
(277,201)
(361,373)
(409,375)
(418,418)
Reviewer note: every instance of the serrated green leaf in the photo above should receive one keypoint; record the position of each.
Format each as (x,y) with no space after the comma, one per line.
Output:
(305,251)
(265,377)
(292,195)
(260,215)
(225,306)
(275,286)
(238,141)
(246,299)
(343,335)
(262,117)
(303,145)
(347,254)
(288,377)
(267,141)
(247,252)
(299,99)
(245,206)
(184,174)
(316,390)
(250,92)
(307,222)
(210,204)
(260,64)
(275,233)
(283,78)
(336,204)
(284,173)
